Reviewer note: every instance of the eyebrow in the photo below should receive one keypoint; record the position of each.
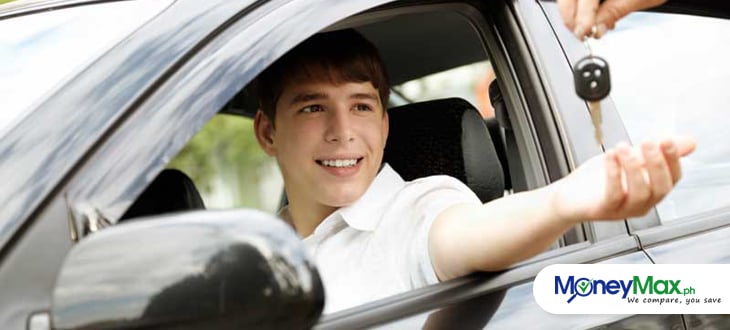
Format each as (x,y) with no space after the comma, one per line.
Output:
(365,96)
(306,97)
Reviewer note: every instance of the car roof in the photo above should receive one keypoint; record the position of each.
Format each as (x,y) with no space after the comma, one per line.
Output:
(22,7)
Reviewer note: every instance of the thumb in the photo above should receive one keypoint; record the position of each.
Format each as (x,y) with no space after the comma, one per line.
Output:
(611,11)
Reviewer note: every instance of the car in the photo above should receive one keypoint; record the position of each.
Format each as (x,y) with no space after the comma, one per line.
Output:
(99,96)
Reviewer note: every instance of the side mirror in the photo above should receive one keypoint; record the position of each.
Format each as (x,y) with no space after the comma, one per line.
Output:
(202,269)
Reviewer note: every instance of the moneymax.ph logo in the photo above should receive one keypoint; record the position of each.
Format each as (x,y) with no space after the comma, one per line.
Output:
(633,289)
(574,286)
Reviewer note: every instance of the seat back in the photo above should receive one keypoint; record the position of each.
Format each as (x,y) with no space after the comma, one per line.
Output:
(171,191)
(446,136)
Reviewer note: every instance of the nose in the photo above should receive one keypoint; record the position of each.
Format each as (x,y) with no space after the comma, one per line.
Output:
(339,126)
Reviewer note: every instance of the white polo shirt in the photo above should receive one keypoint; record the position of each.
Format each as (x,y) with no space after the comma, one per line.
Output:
(378,246)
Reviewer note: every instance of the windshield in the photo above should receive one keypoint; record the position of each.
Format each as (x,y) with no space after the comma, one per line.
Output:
(39,51)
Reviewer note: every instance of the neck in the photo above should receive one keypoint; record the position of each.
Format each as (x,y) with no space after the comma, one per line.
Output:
(305,217)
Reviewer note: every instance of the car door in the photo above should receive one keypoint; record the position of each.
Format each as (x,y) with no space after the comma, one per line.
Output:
(667,81)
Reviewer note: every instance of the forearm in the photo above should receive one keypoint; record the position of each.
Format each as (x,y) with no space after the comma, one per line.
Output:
(625,182)
(493,236)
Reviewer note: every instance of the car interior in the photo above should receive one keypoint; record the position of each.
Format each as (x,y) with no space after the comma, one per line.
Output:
(438,136)
(485,154)
(443,136)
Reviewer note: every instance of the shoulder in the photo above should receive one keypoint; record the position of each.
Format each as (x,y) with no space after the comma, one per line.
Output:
(437,183)
(434,193)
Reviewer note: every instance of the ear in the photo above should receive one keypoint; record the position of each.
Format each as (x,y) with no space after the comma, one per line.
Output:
(386,127)
(264,128)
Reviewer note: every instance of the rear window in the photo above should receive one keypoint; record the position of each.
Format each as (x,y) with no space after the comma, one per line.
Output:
(470,82)
(39,51)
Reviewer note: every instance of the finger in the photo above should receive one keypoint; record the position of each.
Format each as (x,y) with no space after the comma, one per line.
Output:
(660,177)
(637,189)
(567,10)
(672,158)
(614,188)
(612,10)
(685,145)
(585,17)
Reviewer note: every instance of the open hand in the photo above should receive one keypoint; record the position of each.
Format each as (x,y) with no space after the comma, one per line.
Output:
(623,182)
(580,16)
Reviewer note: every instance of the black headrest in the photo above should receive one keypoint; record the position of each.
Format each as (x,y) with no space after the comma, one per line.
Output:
(445,136)
(171,191)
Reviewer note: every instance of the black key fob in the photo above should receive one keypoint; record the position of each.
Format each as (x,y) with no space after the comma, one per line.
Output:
(592,78)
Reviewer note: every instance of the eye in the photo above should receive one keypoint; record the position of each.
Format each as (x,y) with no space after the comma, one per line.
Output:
(312,108)
(363,107)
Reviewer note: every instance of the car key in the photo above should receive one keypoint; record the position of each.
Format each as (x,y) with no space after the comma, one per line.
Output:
(593,83)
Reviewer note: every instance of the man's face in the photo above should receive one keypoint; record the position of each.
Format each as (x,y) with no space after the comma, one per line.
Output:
(328,140)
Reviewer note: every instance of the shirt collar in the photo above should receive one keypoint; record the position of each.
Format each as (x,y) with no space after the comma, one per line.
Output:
(366,212)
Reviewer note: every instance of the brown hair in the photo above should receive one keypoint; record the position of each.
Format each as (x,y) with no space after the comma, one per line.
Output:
(337,57)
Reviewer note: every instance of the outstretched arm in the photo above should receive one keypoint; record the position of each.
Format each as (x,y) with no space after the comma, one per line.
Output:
(623,182)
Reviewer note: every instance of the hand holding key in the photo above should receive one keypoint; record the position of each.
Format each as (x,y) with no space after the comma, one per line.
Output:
(581,15)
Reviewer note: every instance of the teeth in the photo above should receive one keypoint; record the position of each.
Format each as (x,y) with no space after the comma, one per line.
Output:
(340,162)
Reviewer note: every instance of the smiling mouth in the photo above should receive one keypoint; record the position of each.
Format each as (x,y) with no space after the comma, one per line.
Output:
(339,163)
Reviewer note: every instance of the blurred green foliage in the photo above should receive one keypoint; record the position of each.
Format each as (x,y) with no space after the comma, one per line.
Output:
(5,1)
(225,149)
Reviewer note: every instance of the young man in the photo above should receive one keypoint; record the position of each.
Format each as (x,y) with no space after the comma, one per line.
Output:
(372,234)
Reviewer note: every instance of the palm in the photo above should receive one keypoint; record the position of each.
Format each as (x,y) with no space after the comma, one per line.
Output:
(623,182)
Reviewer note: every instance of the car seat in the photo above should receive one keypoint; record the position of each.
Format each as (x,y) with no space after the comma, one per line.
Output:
(446,136)
(171,191)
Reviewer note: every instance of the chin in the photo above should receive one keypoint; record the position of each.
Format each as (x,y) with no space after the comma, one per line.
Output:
(342,198)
